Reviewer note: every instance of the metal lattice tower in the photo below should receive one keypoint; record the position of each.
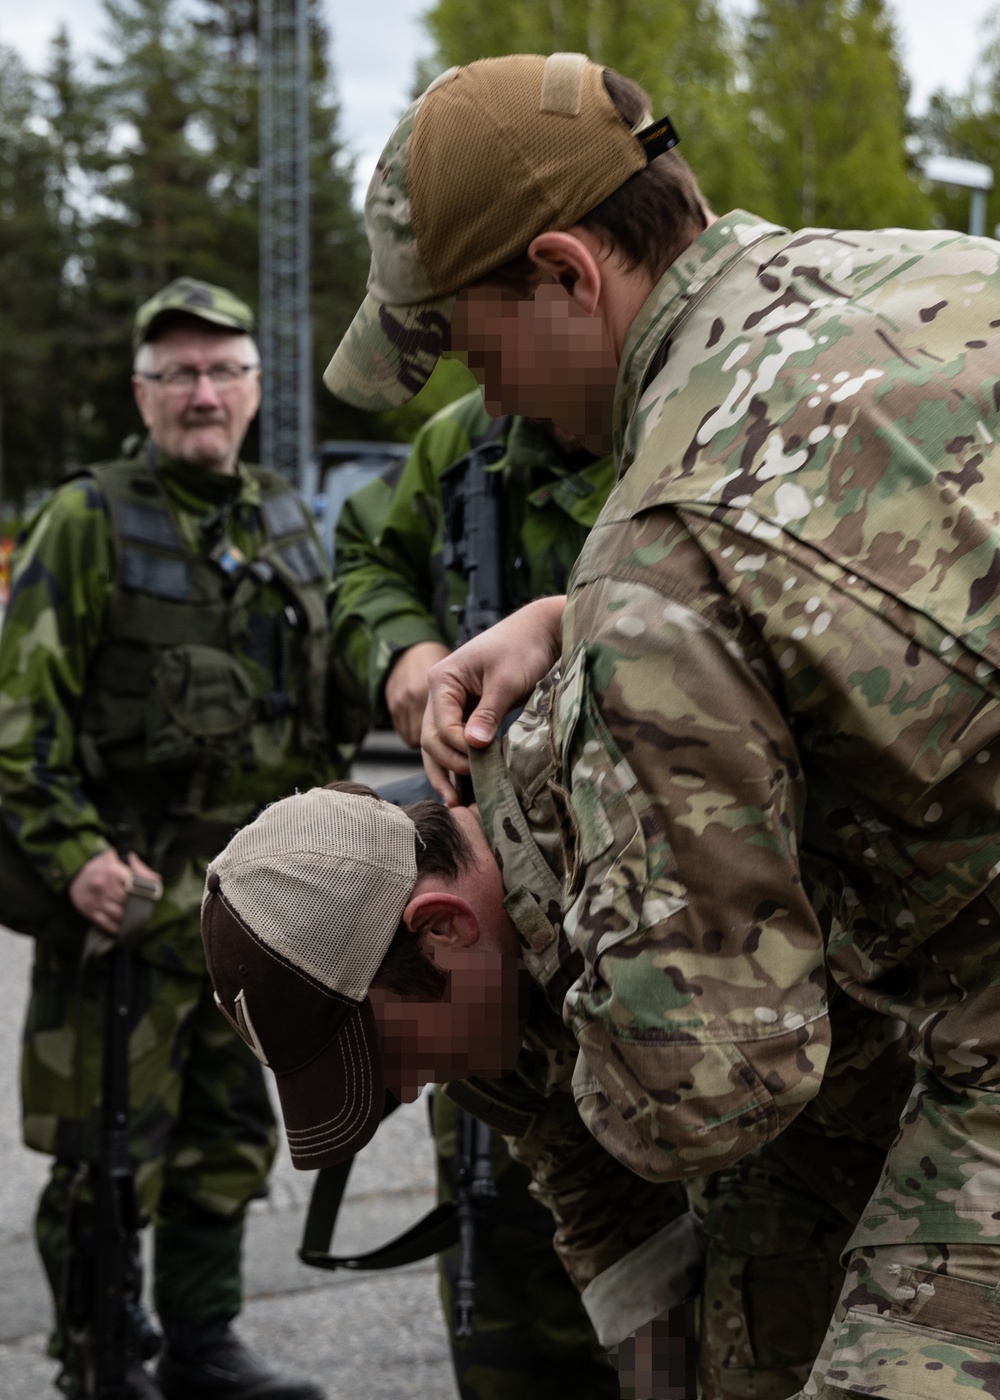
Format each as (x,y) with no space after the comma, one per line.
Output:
(285,335)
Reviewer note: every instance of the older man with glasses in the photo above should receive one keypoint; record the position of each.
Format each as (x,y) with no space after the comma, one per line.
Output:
(163,674)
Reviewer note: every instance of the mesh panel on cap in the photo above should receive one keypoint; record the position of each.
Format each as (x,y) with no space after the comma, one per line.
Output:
(488,169)
(322,878)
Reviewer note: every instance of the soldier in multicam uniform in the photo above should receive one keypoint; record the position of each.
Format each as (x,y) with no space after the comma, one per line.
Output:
(396,604)
(396,613)
(163,673)
(778,665)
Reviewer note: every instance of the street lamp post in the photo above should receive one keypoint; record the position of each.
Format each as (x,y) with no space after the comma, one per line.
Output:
(970,175)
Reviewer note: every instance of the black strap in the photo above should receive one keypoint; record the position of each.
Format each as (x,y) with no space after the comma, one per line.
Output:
(435,1231)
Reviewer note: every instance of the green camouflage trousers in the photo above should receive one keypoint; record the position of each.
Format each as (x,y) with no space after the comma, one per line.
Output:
(914,1322)
(533,1339)
(202,1132)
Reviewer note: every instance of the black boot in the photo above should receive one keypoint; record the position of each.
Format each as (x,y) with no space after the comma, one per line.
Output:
(139,1385)
(207,1361)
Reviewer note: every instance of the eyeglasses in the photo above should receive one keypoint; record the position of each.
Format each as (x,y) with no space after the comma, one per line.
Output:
(184,379)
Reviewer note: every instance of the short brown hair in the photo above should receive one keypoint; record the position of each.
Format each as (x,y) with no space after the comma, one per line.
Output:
(648,221)
(441,849)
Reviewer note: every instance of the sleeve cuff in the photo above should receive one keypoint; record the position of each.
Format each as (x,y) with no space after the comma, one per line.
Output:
(71,856)
(662,1272)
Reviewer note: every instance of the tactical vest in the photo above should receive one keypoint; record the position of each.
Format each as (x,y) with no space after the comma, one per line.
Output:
(169,706)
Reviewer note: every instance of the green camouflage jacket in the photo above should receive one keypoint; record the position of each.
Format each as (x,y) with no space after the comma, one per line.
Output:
(767,771)
(55,696)
(392,590)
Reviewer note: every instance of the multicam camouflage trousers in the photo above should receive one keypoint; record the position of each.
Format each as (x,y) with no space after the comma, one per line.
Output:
(533,1339)
(202,1134)
(914,1322)
(772,1276)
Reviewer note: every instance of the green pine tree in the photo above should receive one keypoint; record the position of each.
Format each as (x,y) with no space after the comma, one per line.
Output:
(31,252)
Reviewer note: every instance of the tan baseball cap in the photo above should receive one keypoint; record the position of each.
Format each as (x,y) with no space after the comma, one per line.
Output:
(298,913)
(487,158)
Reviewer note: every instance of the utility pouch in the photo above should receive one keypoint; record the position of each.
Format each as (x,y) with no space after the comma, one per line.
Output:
(200,708)
(28,905)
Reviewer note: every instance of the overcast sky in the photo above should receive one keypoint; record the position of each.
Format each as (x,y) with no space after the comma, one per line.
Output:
(375,47)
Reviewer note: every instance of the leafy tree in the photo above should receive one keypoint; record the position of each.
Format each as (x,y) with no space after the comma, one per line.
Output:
(829,114)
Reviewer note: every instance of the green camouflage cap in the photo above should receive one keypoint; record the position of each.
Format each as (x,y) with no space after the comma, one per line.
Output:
(489,157)
(192,298)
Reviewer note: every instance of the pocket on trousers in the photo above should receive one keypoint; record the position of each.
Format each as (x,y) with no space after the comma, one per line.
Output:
(939,1341)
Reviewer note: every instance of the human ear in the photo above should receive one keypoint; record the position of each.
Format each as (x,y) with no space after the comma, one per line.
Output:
(442,920)
(258,392)
(572,261)
(140,390)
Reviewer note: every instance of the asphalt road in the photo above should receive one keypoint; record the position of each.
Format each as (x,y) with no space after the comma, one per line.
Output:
(377,1336)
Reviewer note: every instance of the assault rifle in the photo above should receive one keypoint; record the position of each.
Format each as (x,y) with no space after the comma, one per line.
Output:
(474,540)
(108,1329)
(474,533)
(474,546)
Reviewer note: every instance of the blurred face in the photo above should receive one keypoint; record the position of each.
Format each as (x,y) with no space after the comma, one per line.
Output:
(540,356)
(475,1029)
(196,395)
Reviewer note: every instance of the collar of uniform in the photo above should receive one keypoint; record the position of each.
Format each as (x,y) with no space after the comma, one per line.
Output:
(677,291)
(524,869)
(532,447)
(578,489)
(196,488)
(581,493)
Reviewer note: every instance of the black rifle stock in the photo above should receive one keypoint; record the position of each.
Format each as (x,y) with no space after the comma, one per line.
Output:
(108,1328)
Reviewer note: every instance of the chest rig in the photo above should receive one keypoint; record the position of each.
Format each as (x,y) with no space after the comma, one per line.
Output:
(195,668)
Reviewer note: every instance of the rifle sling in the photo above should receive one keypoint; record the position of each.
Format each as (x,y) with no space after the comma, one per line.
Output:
(435,1231)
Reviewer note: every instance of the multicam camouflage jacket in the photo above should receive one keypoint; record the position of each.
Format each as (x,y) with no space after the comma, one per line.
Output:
(392,588)
(767,771)
(630,1245)
(167,671)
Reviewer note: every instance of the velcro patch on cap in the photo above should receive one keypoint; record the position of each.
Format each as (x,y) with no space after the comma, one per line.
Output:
(447,76)
(562,84)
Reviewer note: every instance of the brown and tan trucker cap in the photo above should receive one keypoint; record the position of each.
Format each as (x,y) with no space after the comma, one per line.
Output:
(487,158)
(298,912)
